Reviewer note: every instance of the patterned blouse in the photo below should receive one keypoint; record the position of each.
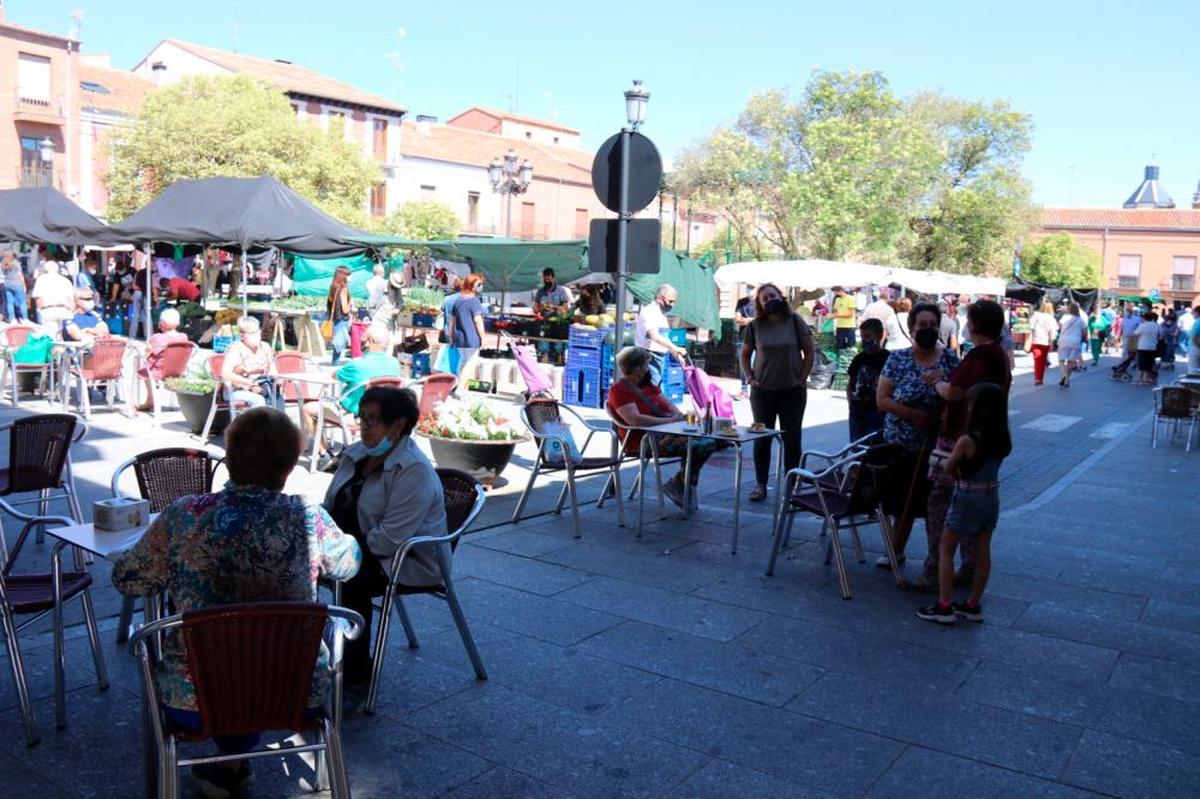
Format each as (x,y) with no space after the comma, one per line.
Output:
(243,544)
(911,390)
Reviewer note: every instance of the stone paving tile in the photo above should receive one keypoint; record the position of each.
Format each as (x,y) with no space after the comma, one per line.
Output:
(558,621)
(1082,600)
(1185,572)
(504,782)
(80,672)
(859,653)
(721,780)
(1143,639)
(659,571)
(1153,675)
(1087,575)
(942,721)
(820,755)
(567,750)
(1138,567)
(732,668)
(385,757)
(1123,767)
(526,574)
(526,542)
(569,677)
(1120,711)
(926,773)
(1164,613)
(18,779)
(674,611)
(411,679)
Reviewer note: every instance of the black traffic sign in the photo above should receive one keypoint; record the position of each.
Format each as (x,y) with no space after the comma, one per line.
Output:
(645,172)
(645,237)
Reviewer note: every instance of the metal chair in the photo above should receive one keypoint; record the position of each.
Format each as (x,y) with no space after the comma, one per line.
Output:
(163,476)
(623,432)
(252,669)
(39,459)
(1174,405)
(434,389)
(464,500)
(102,363)
(176,357)
(539,414)
(347,424)
(849,490)
(15,336)
(222,398)
(36,595)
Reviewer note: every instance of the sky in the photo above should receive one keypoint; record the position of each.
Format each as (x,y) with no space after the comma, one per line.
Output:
(1109,85)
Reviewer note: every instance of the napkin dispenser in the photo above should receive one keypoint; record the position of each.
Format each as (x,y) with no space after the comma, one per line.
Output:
(120,513)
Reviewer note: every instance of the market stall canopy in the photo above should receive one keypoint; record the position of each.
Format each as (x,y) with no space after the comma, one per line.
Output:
(46,216)
(245,213)
(816,274)
(311,276)
(697,303)
(1032,293)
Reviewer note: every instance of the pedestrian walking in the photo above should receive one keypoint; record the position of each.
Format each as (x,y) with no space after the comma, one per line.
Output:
(1098,330)
(653,327)
(1168,334)
(1193,335)
(1042,331)
(1071,330)
(975,508)
(845,311)
(340,311)
(743,315)
(1147,349)
(782,348)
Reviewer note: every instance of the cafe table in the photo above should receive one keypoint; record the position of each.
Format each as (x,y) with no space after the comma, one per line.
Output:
(737,436)
(327,386)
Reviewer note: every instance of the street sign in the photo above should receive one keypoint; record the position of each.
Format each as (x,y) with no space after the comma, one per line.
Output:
(645,172)
(645,237)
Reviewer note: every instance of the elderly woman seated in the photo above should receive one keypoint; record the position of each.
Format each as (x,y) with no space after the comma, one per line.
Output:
(384,492)
(249,368)
(635,401)
(249,542)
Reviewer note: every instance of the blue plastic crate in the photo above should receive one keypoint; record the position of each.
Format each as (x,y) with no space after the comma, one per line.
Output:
(582,387)
(590,357)
(672,373)
(423,320)
(677,336)
(673,393)
(582,337)
(222,343)
(420,364)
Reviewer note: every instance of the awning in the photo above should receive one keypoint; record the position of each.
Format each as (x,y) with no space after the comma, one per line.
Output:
(46,216)
(815,274)
(311,276)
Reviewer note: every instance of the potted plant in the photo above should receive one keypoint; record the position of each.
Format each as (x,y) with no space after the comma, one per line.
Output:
(195,394)
(470,435)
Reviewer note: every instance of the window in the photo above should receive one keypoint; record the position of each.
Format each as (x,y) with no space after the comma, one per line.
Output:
(379,139)
(1129,271)
(379,199)
(295,109)
(556,140)
(33,78)
(335,121)
(528,216)
(34,171)
(472,210)
(581,223)
(427,192)
(1183,273)
(529,134)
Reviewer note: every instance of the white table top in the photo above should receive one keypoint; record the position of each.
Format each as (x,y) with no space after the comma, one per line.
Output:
(106,545)
(744,433)
(318,378)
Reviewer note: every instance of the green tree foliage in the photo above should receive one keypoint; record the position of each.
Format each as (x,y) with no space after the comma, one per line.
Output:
(850,171)
(426,220)
(1058,260)
(234,126)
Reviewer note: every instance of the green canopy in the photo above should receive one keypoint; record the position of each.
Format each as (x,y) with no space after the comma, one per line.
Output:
(697,304)
(311,276)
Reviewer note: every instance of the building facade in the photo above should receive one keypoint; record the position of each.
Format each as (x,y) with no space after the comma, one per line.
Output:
(370,121)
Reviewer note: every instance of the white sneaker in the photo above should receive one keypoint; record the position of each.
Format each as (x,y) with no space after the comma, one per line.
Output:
(883,562)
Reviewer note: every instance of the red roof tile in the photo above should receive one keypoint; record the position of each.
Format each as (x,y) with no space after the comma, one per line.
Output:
(112,89)
(527,120)
(465,146)
(1178,219)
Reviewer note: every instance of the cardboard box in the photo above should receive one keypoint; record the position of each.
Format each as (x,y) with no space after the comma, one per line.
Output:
(113,515)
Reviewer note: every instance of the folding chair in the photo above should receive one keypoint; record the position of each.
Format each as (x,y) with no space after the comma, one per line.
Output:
(848,490)
(39,459)
(163,476)
(36,595)
(434,389)
(539,414)
(103,363)
(176,357)
(222,398)
(252,669)
(464,499)
(1174,405)
(15,336)
(623,431)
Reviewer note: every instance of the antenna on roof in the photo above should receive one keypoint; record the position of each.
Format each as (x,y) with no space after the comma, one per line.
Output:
(237,26)
(397,59)
(76,31)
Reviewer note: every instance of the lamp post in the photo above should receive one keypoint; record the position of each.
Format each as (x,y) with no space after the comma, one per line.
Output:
(636,100)
(508,178)
(46,151)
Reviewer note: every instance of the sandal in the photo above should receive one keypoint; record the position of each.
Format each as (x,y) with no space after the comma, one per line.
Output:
(758,494)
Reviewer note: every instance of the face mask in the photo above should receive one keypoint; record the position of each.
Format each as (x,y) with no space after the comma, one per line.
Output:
(775,306)
(87,305)
(382,448)
(926,338)
(667,306)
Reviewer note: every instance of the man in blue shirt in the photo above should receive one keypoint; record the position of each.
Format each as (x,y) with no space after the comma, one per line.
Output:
(86,324)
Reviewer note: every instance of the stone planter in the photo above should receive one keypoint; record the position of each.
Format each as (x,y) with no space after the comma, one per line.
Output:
(195,409)
(483,460)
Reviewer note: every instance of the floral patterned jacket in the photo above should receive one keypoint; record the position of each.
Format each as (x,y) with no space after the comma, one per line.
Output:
(243,544)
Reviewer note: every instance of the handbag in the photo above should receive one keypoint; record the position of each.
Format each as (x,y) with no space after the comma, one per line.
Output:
(447,360)
(327,330)
(414,343)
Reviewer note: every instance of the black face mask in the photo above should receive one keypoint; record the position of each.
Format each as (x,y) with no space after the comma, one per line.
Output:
(775,306)
(926,338)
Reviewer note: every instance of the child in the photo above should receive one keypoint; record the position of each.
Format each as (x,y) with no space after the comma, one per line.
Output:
(975,508)
(862,379)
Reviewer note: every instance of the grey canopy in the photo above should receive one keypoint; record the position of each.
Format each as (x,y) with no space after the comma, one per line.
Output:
(244,213)
(46,216)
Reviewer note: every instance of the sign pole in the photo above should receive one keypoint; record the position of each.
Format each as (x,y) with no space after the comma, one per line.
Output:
(623,217)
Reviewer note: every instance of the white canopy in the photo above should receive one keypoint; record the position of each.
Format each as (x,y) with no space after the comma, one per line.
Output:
(813,274)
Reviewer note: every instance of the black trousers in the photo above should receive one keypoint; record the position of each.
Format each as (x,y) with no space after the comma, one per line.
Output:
(357,594)
(787,407)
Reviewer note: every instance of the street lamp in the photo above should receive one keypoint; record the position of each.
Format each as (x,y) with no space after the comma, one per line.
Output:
(507,177)
(636,100)
(46,151)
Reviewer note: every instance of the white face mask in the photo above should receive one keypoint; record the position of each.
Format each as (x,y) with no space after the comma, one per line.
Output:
(87,305)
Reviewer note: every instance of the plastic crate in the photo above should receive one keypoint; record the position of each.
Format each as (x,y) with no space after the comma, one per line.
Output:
(673,394)
(222,343)
(423,320)
(677,336)
(672,373)
(582,337)
(590,357)
(582,387)
(420,365)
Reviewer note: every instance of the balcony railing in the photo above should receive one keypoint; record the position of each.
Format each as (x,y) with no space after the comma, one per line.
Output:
(35,178)
(39,109)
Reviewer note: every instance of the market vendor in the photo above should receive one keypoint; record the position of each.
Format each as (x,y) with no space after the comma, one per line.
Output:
(589,301)
(178,288)
(551,298)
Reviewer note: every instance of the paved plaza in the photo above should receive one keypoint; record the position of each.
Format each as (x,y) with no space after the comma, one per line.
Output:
(665,666)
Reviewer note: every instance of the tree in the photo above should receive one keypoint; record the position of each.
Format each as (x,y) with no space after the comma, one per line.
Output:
(234,126)
(1058,260)
(426,220)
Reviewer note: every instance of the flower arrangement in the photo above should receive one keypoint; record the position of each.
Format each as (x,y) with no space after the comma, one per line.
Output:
(469,421)
(191,384)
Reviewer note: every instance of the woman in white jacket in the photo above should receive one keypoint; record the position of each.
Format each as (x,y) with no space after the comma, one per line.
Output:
(385,491)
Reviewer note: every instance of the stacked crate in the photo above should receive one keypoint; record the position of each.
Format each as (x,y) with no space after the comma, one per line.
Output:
(589,368)
(672,385)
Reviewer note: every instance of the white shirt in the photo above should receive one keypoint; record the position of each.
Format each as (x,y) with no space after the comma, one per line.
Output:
(897,336)
(376,290)
(878,310)
(54,290)
(1147,335)
(1042,328)
(1071,330)
(651,318)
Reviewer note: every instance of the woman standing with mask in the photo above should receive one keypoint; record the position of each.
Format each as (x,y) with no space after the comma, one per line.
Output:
(384,492)
(339,308)
(782,346)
